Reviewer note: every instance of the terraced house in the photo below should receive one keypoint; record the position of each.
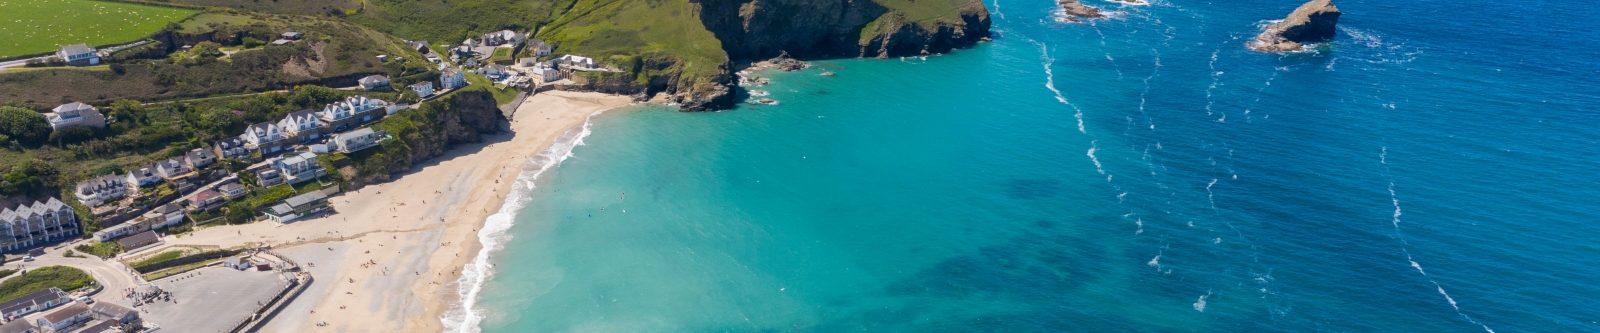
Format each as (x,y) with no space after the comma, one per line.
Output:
(38,224)
(352,112)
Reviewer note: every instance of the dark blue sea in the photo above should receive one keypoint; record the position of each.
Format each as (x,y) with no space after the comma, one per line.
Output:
(1435,169)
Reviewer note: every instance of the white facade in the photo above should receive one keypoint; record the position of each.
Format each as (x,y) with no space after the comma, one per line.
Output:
(100,190)
(303,124)
(79,54)
(299,168)
(144,177)
(75,114)
(453,78)
(260,134)
(356,140)
(34,225)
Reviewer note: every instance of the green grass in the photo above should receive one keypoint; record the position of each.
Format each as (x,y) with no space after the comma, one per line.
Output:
(479,82)
(100,249)
(33,280)
(156,275)
(616,32)
(157,259)
(501,54)
(40,26)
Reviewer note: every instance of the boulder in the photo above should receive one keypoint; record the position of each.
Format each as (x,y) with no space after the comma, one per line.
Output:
(1313,22)
(1073,11)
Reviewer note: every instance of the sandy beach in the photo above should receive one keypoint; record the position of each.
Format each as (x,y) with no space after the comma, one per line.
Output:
(389,259)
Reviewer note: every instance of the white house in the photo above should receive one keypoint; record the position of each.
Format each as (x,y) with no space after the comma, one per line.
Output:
(199,158)
(269,177)
(100,190)
(503,37)
(64,318)
(262,134)
(34,302)
(34,225)
(302,124)
(546,73)
(231,191)
(144,177)
(356,140)
(423,89)
(299,168)
(351,107)
(172,168)
(453,78)
(79,55)
(579,62)
(75,114)
(231,148)
(540,48)
(374,82)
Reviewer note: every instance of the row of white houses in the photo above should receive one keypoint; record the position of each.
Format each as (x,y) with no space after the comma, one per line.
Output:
(40,223)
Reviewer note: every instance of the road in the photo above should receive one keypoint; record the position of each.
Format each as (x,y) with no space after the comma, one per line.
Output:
(113,275)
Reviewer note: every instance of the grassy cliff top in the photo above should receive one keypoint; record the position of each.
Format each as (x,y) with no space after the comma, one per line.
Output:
(41,26)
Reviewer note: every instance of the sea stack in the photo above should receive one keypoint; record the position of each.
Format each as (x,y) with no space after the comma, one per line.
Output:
(1312,22)
(1073,11)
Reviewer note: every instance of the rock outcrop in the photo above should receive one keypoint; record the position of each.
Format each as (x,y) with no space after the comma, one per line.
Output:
(1073,11)
(811,29)
(1313,22)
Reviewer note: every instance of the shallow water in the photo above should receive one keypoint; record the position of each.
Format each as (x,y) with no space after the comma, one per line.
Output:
(1432,170)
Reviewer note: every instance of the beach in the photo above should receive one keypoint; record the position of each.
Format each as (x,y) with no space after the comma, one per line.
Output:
(390,257)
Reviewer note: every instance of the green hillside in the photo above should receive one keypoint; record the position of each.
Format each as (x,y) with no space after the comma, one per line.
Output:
(41,26)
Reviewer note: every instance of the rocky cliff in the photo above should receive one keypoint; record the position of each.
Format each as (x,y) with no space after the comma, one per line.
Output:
(422,134)
(758,29)
(1313,22)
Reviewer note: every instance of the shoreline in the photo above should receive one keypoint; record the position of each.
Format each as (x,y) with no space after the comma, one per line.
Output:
(434,217)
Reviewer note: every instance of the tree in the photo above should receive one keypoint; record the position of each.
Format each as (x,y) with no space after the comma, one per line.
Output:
(71,135)
(314,96)
(23,125)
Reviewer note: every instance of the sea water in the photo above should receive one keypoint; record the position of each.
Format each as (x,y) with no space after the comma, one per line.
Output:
(1435,169)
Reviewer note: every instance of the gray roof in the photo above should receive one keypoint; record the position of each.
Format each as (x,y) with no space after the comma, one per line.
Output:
(72,106)
(76,49)
(108,310)
(18,326)
(98,327)
(36,297)
(66,313)
(280,209)
(374,79)
(303,199)
(138,240)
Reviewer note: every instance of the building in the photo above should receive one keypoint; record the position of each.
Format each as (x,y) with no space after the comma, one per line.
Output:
(34,225)
(102,189)
(374,82)
(62,319)
(35,302)
(296,207)
(144,177)
(301,124)
(423,89)
(578,63)
(421,46)
(539,48)
(231,191)
(546,73)
(293,35)
(351,112)
(353,141)
(199,158)
(453,78)
(79,55)
(75,114)
(99,326)
(19,326)
(118,314)
(205,200)
(173,168)
(268,177)
(503,37)
(265,137)
(299,168)
(493,71)
(138,241)
(232,149)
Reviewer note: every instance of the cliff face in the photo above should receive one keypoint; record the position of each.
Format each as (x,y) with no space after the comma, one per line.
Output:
(756,29)
(425,133)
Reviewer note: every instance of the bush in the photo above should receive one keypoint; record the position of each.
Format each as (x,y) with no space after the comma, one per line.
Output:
(23,125)
(65,278)
(100,249)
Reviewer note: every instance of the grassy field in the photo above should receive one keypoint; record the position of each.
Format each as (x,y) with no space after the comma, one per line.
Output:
(66,278)
(39,26)
(630,28)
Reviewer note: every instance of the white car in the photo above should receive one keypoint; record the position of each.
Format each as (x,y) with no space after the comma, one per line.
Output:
(27,258)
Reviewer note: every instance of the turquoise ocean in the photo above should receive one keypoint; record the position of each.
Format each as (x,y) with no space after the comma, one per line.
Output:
(1435,169)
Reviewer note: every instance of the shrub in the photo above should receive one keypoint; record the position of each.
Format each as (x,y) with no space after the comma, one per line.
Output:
(23,125)
(65,278)
(100,249)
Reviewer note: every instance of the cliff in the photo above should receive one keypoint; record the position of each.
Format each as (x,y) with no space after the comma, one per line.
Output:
(419,135)
(758,29)
(1315,21)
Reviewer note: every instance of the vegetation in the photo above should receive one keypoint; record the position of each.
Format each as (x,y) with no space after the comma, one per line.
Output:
(502,95)
(7,272)
(629,32)
(42,26)
(63,277)
(176,258)
(19,126)
(100,249)
(156,259)
(333,51)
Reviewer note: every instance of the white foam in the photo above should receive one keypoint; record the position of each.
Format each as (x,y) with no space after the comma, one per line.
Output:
(1095,160)
(465,317)
(1200,304)
(1050,83)
(1209,195)
(1404,245)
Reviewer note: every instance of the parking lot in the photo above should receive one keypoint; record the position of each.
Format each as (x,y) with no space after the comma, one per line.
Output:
(212,299)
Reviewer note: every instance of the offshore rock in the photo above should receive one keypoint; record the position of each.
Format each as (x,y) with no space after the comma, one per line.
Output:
(1313,22)
(1073,11)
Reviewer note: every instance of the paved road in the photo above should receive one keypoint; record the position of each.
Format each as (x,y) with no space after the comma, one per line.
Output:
(110,273)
